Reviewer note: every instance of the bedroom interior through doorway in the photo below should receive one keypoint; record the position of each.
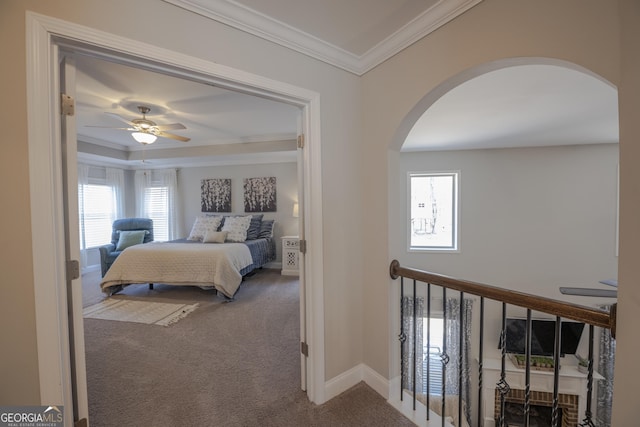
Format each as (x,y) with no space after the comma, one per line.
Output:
(300,196)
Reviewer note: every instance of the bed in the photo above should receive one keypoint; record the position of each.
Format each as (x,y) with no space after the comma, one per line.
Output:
(212,257)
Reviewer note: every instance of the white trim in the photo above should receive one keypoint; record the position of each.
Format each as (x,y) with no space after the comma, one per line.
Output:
(313,258)
(243,18)
(455,212)
(46,220)
(376,381)
(421,26)
(343,381)
(44,35)
(388,389)
(353,376)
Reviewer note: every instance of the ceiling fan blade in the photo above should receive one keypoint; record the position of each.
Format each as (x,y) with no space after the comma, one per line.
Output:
(589,292)
(109,127)
(610,282)
(171,126)
(173,136)
(116,116)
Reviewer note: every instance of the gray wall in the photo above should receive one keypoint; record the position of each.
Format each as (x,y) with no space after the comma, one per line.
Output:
(189,189)
(531,219)
(287,193)
(360,116)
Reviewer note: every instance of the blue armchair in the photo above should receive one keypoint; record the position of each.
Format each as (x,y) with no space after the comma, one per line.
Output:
(109,252)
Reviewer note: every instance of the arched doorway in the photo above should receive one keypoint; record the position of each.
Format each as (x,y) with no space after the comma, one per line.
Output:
(533,190)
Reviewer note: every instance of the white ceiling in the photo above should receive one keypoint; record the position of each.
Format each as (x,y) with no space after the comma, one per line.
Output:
(515,106)
(225,127)
(520,106)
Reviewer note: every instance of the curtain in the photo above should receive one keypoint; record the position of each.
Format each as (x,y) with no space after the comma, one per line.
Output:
(604,394)
(459,368)
(157,198)
(142,181)
(408,321)
(83,179)
(115,179)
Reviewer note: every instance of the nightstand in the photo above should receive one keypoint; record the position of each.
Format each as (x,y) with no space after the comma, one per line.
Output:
(290,252)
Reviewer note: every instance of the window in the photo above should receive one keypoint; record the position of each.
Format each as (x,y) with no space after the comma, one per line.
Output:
(97,208)
(156,196)
(432,350)
(100,202)
(433,211)
(156,206)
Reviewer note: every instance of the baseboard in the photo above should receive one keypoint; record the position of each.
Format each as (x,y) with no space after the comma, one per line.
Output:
(389,389)
(376,381)
(353,376)
(342,382)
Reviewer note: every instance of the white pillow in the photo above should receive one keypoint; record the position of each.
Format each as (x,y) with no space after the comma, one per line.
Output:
(214,237)
(202,225)
(237,227)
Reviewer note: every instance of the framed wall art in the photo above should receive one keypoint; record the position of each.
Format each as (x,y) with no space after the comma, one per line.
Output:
(215,195)
(260,194)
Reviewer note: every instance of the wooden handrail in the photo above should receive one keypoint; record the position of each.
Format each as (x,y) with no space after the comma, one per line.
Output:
(580,313)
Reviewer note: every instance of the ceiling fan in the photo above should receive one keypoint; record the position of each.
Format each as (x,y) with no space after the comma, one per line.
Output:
(589,292)
(146,131)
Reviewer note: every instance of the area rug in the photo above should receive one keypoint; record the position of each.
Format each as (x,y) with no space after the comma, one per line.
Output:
(148,312)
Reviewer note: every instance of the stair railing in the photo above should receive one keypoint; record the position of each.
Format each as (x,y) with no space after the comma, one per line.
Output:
(593,317)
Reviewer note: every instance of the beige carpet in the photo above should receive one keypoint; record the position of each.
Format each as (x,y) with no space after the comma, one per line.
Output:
(138,311)
(226,364)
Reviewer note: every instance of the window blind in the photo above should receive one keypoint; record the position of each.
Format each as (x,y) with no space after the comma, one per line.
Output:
(156,203)
(97,206)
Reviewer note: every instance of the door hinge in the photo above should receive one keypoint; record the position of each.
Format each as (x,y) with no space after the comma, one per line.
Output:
(73,269)
(301,141)
(302,244)
(304,348)
(81,423)
(67,105)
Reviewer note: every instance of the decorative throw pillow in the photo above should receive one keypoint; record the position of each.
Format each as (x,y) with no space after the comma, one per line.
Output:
(237,227)
(215,237)
(203,224)
(266,229)
(130,238)
(254,227)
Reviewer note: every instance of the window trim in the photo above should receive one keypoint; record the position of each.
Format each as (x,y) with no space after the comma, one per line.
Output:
(455,213)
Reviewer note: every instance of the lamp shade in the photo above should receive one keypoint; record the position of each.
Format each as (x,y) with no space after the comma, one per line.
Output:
(144,137)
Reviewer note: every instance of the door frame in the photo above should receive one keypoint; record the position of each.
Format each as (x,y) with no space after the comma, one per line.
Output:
(45,35)
(69,169)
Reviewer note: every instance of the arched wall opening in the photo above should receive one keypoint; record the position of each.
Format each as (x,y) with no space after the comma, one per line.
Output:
(529,216)
(466,75)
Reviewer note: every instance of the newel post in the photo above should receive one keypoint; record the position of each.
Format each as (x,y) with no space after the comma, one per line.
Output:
(393,268)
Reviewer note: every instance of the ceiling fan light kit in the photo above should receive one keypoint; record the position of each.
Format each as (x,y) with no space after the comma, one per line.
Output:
(147,132)
(144,137)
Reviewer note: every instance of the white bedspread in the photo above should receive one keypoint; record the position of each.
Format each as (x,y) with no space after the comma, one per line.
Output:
(203,264)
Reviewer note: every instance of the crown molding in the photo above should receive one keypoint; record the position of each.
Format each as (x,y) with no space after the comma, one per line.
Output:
(231,13)
(422,25)
(253,22)
(97,152)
